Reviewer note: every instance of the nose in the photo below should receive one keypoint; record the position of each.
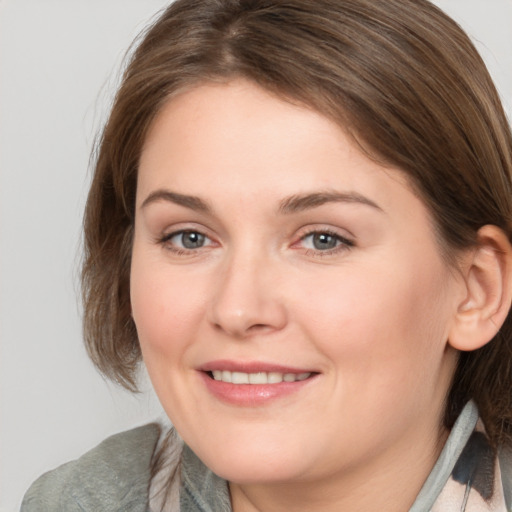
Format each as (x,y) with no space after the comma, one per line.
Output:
(247,299)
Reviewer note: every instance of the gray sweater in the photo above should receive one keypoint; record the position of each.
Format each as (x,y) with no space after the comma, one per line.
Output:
(112,477)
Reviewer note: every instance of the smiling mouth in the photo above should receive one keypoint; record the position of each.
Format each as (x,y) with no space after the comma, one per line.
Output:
(258,377)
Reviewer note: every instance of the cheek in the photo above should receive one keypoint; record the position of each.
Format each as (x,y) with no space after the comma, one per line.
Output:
(377,326)
(166,307)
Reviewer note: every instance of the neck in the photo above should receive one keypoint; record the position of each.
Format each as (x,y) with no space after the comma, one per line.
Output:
(388,483)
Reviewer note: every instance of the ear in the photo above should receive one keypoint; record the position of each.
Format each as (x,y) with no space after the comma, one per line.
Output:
(488,279)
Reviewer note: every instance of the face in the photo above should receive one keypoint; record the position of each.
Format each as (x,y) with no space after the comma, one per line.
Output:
(289,294)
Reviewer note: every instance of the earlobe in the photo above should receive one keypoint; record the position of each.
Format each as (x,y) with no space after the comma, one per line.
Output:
(488,280)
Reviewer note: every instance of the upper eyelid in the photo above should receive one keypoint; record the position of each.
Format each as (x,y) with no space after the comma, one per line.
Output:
(329,231)
(182,227)
(342,233)
(175,232)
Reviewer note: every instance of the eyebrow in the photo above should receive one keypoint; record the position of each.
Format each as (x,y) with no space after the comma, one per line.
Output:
(192,202)
(292,204)
(301,202)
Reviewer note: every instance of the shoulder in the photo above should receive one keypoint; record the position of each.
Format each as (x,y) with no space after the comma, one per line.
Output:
(113,476)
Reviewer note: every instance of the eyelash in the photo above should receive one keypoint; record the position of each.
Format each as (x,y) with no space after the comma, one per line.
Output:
(179,251)
(343,243)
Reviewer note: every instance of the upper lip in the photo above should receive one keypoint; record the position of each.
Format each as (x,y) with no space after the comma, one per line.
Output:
(251,367)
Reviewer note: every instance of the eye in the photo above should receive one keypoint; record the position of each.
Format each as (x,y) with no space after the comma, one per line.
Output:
(322,241)
(325,241)
(186,240)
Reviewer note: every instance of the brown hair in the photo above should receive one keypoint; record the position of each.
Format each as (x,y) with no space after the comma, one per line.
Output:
(399,75)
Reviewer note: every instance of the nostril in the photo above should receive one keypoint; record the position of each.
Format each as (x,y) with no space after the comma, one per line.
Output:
(258,327)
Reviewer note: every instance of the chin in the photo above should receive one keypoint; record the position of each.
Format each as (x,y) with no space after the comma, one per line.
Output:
(246,463)
(259,472)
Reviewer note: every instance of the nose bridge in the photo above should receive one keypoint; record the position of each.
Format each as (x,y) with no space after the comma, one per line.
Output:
(246,299)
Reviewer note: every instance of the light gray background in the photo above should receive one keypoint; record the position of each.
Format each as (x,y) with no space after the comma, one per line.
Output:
(58,66)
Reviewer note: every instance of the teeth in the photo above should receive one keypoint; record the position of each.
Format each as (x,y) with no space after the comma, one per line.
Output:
(258,378)
(274,378)
(239,378)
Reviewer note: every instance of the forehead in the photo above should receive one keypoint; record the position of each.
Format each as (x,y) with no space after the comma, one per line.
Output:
(238,134)
(235,115)
(244,153)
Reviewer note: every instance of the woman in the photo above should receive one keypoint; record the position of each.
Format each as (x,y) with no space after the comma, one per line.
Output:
(300,220)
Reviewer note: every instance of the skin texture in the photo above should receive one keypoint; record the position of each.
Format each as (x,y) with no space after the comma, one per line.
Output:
(371,317)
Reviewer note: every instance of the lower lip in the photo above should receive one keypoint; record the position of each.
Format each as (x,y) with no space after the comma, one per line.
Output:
(250,395)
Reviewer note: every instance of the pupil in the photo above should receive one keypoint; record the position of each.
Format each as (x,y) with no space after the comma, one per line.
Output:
(192,240)
(324,241)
